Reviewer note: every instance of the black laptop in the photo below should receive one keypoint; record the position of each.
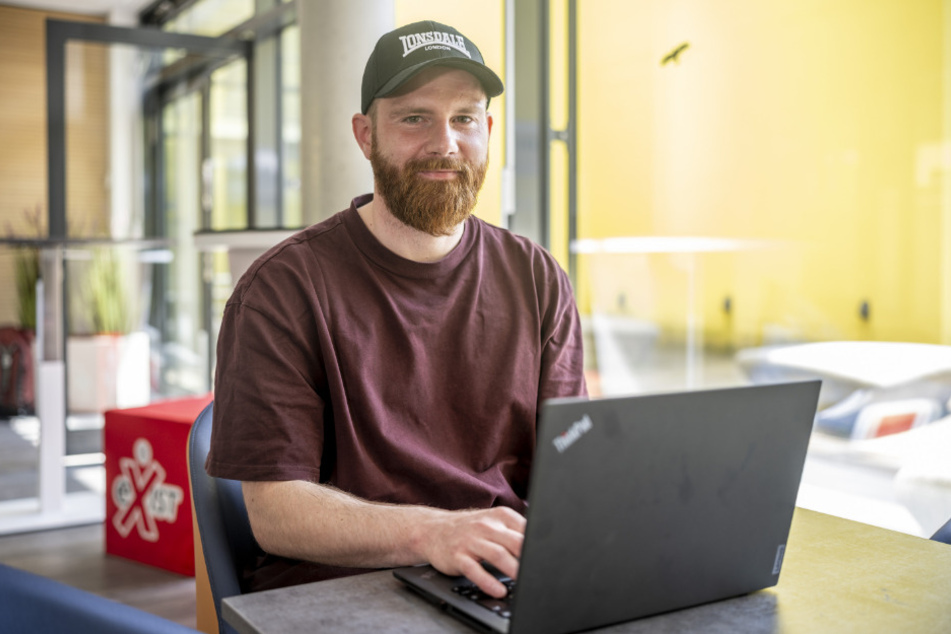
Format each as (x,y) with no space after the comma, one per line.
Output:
(646,504)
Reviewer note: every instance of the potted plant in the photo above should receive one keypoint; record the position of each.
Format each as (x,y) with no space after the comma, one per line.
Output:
(27,273)
(107,358)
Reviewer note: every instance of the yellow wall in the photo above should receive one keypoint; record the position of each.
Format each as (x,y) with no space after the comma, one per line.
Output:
(816,126)
(484,24)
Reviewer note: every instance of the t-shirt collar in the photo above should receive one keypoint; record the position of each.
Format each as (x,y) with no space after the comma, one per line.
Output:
(374,250)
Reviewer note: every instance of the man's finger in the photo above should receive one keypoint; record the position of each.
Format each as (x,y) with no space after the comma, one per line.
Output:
(485,580)
(502,560)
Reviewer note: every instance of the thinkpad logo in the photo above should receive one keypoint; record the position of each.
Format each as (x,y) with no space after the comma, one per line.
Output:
(571,435)
(433,39)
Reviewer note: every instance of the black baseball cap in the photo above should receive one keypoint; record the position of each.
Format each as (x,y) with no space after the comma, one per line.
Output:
(402,53)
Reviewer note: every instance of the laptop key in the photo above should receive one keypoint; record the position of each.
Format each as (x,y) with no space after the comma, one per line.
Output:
(499,606)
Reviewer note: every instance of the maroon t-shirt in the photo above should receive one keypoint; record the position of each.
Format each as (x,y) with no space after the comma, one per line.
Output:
(396,381)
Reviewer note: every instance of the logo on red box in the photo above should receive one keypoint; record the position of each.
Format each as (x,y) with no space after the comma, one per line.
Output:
(141,495)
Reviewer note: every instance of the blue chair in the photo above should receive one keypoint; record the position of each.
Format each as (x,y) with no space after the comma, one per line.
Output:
(943,534)
(222,518)
(31,603)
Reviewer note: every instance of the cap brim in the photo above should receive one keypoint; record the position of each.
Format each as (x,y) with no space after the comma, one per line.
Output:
(490,81)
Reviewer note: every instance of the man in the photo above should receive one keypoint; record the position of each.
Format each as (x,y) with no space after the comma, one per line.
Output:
(380,373)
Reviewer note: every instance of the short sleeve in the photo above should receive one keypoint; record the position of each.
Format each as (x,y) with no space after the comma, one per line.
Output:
(562,361)
(270,393)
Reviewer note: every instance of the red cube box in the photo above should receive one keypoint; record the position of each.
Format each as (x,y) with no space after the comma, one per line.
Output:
(148,499)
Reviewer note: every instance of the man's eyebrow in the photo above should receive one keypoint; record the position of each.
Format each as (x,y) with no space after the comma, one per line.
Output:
(474,108)
(402,111)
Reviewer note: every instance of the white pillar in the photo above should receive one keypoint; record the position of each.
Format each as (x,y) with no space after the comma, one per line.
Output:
(51,410)
(337,36)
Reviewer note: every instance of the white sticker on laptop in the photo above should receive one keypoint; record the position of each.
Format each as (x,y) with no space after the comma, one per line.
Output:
(571,435)
(778,562)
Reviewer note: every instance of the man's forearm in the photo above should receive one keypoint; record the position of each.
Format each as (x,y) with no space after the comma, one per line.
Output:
(314,522)
(303,520)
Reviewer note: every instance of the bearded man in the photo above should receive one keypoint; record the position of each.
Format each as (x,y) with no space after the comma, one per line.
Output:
(380,374)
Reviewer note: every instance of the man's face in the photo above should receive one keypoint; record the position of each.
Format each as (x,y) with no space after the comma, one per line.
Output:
(429,149)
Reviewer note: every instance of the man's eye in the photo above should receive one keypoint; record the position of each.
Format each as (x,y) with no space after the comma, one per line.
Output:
(465,119)
(413,119)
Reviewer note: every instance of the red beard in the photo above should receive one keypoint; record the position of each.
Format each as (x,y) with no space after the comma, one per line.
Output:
(433,207)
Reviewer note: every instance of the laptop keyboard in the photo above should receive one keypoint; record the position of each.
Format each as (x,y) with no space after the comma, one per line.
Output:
(501,607)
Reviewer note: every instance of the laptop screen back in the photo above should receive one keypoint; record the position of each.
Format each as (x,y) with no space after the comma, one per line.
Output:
(647,504)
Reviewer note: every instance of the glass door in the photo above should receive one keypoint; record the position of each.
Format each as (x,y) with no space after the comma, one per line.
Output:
(177,313)
(204,186)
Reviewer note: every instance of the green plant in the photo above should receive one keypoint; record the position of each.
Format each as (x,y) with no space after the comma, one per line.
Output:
(27,267)
(100,295)
(27,273)
(105,293)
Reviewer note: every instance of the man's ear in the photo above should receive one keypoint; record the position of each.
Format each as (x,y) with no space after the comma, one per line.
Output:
(363,132)
(488,120)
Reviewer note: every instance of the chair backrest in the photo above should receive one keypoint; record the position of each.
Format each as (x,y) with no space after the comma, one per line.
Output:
(223,527)
(30,603)
(943,534)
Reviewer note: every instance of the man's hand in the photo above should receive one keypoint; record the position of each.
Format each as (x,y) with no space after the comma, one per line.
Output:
(461,540)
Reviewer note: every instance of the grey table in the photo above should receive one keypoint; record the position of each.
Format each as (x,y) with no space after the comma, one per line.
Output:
(838,576)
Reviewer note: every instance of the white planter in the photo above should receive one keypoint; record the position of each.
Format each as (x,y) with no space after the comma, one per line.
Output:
(108,372)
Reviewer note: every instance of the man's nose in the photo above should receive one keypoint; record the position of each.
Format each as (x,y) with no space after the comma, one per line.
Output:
(443,140)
